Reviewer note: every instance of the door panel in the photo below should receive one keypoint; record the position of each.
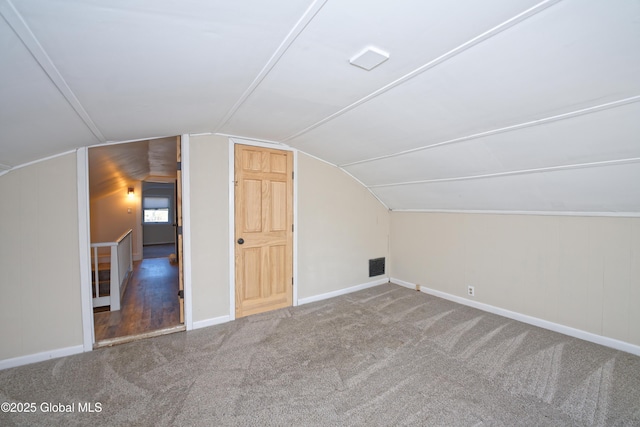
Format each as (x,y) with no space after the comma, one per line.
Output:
(252,198)
(278,163)
(263,230)
(278,210)
(278,274)
(252,260)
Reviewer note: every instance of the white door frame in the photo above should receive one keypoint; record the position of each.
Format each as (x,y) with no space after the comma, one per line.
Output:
(232,215)
(84,240)
(185,146)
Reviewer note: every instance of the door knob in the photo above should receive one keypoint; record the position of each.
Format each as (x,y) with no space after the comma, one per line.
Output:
(240,241)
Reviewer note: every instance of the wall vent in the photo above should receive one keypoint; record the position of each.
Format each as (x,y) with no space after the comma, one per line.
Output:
(376,267)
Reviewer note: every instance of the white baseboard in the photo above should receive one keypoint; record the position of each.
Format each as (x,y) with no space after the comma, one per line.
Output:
(344,291)
(211,322)
(40,357)
(535,321)
(403,283)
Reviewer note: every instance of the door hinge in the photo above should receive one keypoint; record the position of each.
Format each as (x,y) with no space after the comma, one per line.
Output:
(292,281)
(292,173)
(179,230)
(291,227)
(179,166)
(181,294)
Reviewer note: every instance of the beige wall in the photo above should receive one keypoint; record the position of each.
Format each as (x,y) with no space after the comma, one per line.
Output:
(576,271)
(581,272)
(110,218)
(209,195)
(39,259)
(340,227)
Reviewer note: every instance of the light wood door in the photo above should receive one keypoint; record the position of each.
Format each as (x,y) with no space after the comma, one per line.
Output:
(179,230)
(263,229)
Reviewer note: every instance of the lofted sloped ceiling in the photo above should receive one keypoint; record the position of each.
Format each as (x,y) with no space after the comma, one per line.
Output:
(499,105)
(117,167)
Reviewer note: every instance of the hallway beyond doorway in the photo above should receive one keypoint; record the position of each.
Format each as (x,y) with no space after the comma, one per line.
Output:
(158,251)
(150,302)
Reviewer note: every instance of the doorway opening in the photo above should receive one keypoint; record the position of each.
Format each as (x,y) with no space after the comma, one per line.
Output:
(134,191)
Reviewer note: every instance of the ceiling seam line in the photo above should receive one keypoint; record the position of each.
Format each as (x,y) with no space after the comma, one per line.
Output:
(368,188)
(43,159)
(30,41)
(316,158)
(293,34)
(541,213)
(512,173)
(321,160)
(506,129)
(347,173)
(433,63)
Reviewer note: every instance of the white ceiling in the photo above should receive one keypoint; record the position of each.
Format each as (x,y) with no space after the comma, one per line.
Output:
(500,105)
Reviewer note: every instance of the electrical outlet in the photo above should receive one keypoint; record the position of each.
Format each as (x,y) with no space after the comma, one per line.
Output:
(471,291)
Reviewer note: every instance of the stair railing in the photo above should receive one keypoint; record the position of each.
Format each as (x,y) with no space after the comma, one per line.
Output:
(121,266)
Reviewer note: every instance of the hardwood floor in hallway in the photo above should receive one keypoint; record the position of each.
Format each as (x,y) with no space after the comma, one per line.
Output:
(150,302)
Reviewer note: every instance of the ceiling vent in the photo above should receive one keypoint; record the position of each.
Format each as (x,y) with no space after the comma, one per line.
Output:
(369,58)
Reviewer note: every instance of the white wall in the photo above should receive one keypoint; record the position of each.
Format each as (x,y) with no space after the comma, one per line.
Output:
(580,272)
(110,218)
(39,260)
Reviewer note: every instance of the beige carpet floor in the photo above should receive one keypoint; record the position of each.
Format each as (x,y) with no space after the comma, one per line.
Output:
(384,356)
